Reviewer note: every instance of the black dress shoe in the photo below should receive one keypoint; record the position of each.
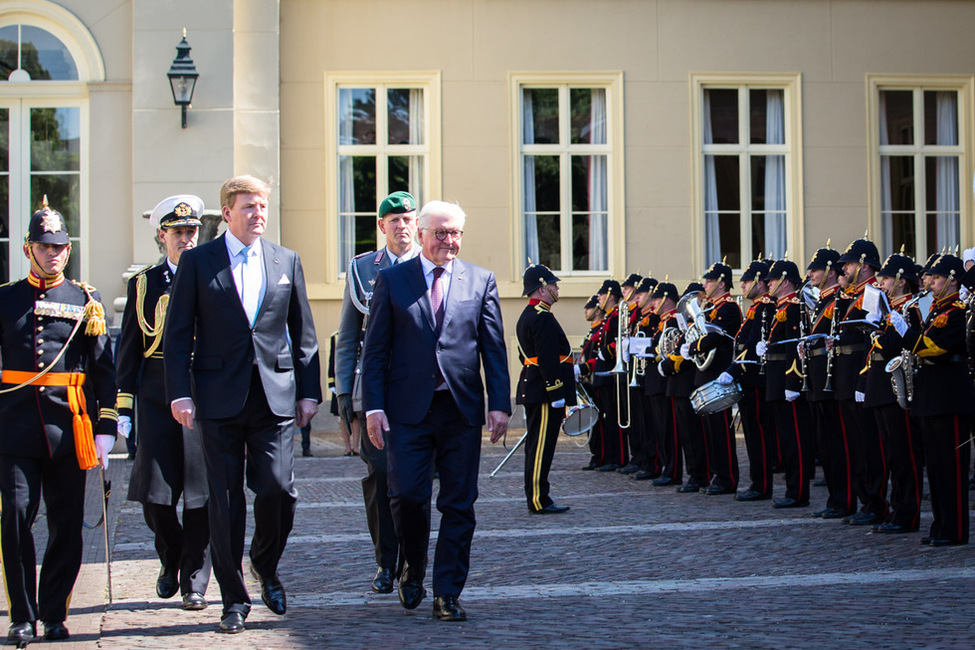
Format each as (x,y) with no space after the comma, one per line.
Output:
(272,592)
(446,608)
(789,502)
(21,633)
(194,601)
(890,528)
(836,513)
(663,481)
(753,495)
(550,509)
(411,591)
(714,489)
(55,631)
(926,540)
(383,582)
(865,519)
(690,486)
(232,623)
(947,542)
(629,468)
(167,584)
(306,453)
(608,467)
(591,466)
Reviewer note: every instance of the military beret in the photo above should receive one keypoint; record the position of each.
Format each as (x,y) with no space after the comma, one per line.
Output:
(397,203)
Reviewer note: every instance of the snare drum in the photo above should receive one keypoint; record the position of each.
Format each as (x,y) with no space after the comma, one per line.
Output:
(713,397)
(582,417)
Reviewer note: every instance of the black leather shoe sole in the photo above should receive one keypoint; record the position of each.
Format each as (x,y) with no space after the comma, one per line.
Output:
(947,542)
(193,602)
(550,509)
(232,623)
(789,503)
(663,481)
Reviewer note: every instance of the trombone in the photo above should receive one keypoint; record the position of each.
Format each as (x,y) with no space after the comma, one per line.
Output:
(621,369)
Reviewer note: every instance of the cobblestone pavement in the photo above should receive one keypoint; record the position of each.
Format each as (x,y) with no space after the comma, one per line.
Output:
(628,565)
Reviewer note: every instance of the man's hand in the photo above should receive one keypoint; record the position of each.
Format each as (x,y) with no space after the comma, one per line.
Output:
(184,411)
(345,407)
(305,411)
(376,424)
(497,422)
(103,445)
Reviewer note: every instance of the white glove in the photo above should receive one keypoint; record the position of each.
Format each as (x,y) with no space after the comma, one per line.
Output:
(685,351)
(760,348)
(724,379)
(968,255)
(332,389)
(558,404)
(859,397)
(599,355)
(898,322)
(576,371)
(660,369)
(103,445)
(791,395)
(124,425)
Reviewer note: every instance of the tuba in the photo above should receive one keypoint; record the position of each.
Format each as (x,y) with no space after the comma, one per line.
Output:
(697,327)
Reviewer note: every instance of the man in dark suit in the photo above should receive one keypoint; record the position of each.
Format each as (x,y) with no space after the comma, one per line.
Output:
(433,321)
(241,358)
(169,460)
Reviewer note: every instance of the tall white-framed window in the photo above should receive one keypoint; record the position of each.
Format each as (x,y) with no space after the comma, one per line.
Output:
(47,57)
(382,135)
(568,148)
(747,167)
(920,139)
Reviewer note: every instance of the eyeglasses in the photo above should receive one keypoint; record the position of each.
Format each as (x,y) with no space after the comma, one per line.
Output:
(442,235)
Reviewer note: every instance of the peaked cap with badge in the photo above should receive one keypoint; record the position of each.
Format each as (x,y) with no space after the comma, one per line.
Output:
(177,211)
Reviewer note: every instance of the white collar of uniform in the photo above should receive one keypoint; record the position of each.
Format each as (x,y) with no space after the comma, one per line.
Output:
(172,267)
(234,245)
(406,257)
(428,266)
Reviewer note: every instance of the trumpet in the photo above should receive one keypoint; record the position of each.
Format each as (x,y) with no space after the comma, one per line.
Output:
(622,367)
(638,365)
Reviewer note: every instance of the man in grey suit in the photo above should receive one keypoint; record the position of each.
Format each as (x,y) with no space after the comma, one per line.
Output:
(397,221)
(433,322)
(241,358)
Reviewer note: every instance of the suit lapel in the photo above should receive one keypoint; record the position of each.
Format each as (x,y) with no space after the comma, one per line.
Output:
(458,290)
(418,286)
(272,273)
(220,263)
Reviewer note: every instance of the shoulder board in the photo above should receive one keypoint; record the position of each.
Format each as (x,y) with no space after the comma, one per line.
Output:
(958,304)
(542,308)
(794,300)
(364,255)
(84,285)
(144,269)
(7,284)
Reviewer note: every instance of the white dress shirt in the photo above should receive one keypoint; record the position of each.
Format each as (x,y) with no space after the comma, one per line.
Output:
(249,278)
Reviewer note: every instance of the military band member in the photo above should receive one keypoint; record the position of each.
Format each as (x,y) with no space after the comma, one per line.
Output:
(629,286)
(783,384)
(868,469)
(633,434)
(757,423)
(943,400)
(57,403)
(397,221)
(612,450)
(832,441)
(169,459)
(585,368)
(648,455)
(546,385)
(663,303)
(898,429)
(724,313)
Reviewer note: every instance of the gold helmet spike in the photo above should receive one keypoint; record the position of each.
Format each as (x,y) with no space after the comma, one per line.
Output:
(902,249)
(530,263)
(828,240)
(667,278)
(866,233)
(44,202)
(785,256)
(724,260)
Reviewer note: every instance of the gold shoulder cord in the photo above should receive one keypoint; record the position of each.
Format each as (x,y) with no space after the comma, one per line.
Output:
(159,316)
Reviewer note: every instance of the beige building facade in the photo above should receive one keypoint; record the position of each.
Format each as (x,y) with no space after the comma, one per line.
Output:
(599,138)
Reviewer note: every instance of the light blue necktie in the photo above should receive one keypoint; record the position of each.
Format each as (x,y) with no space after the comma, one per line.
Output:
(250,284)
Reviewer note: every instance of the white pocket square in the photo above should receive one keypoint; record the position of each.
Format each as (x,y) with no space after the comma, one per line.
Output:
(284,280)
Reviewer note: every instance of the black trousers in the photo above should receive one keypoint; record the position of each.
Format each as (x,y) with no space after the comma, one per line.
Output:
(902,442)
(758,426)
(23,481)
(613,443)
(182,546)
(268,443)
(792,428)
(690,430)
(948,456)
(443,437)
(721,452)
(650,460)
(634,435)
(832,427)
(664,414)
(867,457)
(375,494)
(544,423)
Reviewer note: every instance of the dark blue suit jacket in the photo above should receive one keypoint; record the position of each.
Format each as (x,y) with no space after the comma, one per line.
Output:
(402,351)
(208,338)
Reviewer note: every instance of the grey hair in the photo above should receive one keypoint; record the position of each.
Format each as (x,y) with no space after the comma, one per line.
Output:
(440,209)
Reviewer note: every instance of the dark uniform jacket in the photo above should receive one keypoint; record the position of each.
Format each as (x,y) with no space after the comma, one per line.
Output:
(942,385)
(680,372)
(37,420)
(725,314)
(606,346)
(853,343)
(886,344)
(546,357)
(653,383)
(817,354)
(754,328)
(782,370)
(170,457)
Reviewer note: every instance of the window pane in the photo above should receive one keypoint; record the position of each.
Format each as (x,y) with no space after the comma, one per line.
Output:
(43,56)
(942,231)
(901,191)
(357,116)
(546,186)
(729,236)
(405,115)
(899,108)
(542,104)
(63,194)
(8,51)
(55,135)
(941,183)
(365,233)
(588,120)
(724,115)
(941,117)
(357,184)
(589,183)
(549,241)
(589,245)
(406,175)
(4,229)
(758,113)
(4,139)
(727,178)
(899,227)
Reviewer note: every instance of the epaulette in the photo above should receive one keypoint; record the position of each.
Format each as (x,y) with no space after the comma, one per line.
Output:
(958,304)
(7,284)
(94,312)
(542,308)
(143,270)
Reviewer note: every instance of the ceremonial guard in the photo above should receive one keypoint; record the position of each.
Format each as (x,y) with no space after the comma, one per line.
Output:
(832,441)
(725,314)
(757,423)
(546,385)
(647,458)
(868,468)
(634,433)
(611,450)
(943,401)
(663,303)
(397,221)
(899,431)
(584,372)
(783,384)
(57,403)
(169,461)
